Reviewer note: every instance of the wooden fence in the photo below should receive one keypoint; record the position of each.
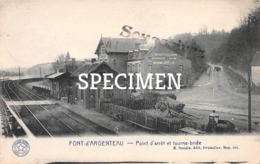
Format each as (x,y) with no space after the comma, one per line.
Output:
(147,121)
(135,104)
(43,91)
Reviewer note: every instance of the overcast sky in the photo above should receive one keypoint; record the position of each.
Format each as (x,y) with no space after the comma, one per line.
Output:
(33,32)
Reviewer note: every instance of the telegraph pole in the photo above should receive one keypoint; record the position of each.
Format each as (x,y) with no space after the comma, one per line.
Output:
(40,71)
(212,71)
(249,100)
(249,77)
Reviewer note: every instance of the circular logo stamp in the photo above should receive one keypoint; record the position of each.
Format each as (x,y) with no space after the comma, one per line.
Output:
(20,147)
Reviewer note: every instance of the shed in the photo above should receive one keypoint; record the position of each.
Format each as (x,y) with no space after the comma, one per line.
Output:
(60,83)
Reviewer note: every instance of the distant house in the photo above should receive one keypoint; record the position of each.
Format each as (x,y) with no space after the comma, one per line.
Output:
(255,66)
(70,64)
(114,51)
(90,98)
(158,58)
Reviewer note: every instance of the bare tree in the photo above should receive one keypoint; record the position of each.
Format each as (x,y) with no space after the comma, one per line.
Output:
(60,61)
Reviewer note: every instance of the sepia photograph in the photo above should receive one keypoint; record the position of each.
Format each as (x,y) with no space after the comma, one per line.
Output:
(113,76)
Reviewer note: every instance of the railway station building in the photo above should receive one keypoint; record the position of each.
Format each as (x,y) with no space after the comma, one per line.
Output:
(91,98)
(158,58)
(59,83)
(125,55)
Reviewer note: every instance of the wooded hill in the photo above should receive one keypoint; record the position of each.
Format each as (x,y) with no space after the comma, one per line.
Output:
(197,47)
(207,41)
(241,45)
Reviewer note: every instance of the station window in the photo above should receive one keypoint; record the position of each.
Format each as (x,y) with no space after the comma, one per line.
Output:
(108,43)
(130,68)
(149,69)
(180,68)
(136,67)
(103,50)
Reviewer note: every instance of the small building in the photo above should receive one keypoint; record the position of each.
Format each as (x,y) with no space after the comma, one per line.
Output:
(90,98)
(255,67)
(158,58)
(114,51)
(59,84)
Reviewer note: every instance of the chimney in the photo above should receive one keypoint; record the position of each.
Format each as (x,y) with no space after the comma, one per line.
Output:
(157,41)
(136,53)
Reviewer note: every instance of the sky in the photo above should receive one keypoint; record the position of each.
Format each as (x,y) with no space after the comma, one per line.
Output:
(37,31)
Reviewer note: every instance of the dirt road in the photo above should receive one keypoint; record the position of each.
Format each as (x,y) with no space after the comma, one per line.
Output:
(214,91)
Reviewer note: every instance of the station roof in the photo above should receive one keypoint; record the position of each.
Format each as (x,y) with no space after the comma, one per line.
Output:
(158,47)
(84,69)
(88,68)
(55,75)
(118,45)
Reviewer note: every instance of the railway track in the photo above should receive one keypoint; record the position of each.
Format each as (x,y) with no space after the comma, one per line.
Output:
(73,118)
(38,128)
(47,120)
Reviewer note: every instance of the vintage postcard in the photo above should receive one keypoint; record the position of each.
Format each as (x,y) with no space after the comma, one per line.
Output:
(140,81)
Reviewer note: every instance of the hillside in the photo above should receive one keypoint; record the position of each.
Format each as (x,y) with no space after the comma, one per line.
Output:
(208,41)
(43,69)
(241,45)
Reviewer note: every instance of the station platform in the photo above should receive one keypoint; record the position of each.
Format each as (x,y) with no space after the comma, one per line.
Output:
(39,102)
(121,128)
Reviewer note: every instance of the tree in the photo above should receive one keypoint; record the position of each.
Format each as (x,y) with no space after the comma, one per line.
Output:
(195,54)
(59,62)
(241,44)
